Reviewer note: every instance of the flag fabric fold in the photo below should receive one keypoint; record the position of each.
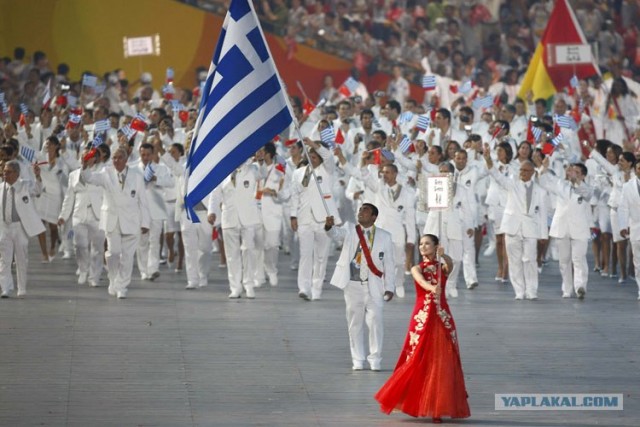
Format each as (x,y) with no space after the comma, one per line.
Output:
(243,101)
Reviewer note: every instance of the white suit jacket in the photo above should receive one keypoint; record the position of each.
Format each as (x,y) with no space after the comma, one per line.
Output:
(24,194)
(516,217)
(629,209)
(79,198)
(272,208)
(125,205)
(156,190)
(381,255)
(573,213)
(239,207)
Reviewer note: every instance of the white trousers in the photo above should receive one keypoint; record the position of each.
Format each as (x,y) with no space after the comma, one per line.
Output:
(469,259)
(574,270)
(14,243)
(121,249)
(399,256)
(196,238)
(271,249)
(314,251)
(453,248)
(88,240)
(635,247)
(363,307)
(523,268)
(148,254)
(239,247)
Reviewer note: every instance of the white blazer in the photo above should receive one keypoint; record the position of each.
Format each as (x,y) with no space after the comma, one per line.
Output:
(24,194)
(381,255)
(272,208)
(80,199)
(573,212)
(239,204)
(629,209)
(532,222)
(124,205)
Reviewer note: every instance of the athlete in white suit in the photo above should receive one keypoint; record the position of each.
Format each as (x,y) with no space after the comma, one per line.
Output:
(19,222)
(124,216)
(570,225)
(629,212)
(82,203)
(523,222)
(365,289)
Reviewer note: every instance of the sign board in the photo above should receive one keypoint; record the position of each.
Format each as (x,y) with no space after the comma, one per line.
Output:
(569,54)
(439,191)
(141,46)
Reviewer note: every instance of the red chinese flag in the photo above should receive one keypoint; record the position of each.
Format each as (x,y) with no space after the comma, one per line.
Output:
(308,107)
(453,88)
(339,137)
(530,138)
(23,121)
(548,148)
(377,156)
(183,115)
(138,125)
(344,90)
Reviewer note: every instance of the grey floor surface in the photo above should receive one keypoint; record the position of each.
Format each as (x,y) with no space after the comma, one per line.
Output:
(72,355)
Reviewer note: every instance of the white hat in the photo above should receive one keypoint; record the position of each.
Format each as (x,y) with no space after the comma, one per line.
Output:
(146,77)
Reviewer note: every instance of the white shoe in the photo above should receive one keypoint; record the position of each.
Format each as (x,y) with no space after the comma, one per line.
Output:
(190,286)
(93,284)
(82,278)
(21,294)
(203,284)
(490,250)
(143,276)
(293,267)
(67,255)
(407,273)
(475,285)
(222,265)
(258,283)
(452,293)
(566,295)
(234,295)
(273,280)
(400,291)
(5,294)
(251,294)
(122,294)
(518,297)
(111,290)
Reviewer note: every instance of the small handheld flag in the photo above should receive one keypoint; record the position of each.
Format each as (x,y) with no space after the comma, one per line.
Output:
(349,87)
(573,82)
(406,117)
(101,126)
(466,87)
(429,82)
(27,153)
(98,140)
(24,109)
(149,172)
(566,122)
(139,123)
(328,136)
(405,144)
(484,102)
(89,81)
(424,121)
(170,75)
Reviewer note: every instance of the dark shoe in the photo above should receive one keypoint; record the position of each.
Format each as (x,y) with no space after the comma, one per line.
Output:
(304,296)
(580,293)
(154,276)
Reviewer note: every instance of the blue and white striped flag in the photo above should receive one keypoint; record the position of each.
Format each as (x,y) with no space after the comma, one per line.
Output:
(405,144)
(5,108)
(177,106)
(149,172)
(351,85)
(406,117)
(1,97)
(537,132)
(89,81)
(127,131)
(101,126)
(429,82)
(484,102)
(566,122)
(72,100)
(24,109)
(376,123)
(98,140)
(243,105)
(557,139)
(424,121)
(328,136)
(27,153)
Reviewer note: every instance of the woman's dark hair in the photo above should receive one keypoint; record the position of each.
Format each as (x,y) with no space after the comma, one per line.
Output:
(629,157)
(52,139)
(434,239)
(507,149)
(530,148)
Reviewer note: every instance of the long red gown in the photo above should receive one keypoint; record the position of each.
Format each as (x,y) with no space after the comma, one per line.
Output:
(428,379)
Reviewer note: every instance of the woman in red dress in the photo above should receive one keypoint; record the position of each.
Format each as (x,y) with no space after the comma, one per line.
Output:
(428,379)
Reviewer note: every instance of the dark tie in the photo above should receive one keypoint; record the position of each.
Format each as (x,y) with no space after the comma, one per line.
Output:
(529,189)
(307,177)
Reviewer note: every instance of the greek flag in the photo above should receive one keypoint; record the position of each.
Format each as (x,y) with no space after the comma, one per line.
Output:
(557,139)
(127,131)
(405,144)
(101,126)
(177,105)
(243,105)
(406,117)
(424,121)
(1,97)
(149,171)
(89,81)
(72,100)
(27,153)
(536,131)
(376,123)
(566,122)
(98,140)
(351,85)
(24,109)
(484,102)
(429,82)
(466,87)
(328,136)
